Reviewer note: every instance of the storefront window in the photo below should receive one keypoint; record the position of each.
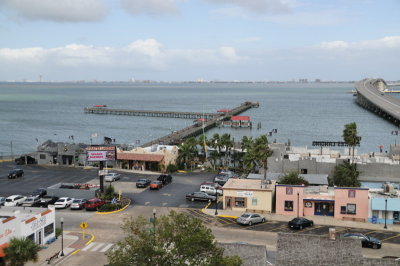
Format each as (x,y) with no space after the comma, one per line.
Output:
(48,229)
(254,201)
(351,209)
(31,237)
(288,205)
(343,210)
(240,202)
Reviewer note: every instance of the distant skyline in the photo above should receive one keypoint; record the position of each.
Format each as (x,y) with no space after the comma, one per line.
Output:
(182,40)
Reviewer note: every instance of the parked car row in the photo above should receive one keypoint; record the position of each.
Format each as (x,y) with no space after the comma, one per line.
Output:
(161,181)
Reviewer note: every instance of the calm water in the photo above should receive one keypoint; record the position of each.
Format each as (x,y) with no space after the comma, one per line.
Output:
(301,112)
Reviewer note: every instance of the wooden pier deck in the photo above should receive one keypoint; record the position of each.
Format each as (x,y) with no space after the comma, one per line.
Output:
(149,113)
(177,137)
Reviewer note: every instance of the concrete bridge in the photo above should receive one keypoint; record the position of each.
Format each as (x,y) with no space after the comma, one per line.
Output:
(371,95)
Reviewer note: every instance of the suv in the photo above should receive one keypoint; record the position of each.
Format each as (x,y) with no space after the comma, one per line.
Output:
(165,179)
(15,173)
(211,190)
(14,200)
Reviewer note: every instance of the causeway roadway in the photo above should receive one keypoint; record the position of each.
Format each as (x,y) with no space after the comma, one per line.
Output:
(371,95)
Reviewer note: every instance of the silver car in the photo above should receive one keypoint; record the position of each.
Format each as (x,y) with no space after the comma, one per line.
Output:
(250,218)
(111,177)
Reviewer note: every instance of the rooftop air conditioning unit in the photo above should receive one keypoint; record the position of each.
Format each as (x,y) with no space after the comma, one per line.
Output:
(388,188)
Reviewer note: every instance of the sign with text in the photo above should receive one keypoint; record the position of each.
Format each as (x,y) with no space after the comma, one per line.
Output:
(330,143)
(244,194)
(101,153)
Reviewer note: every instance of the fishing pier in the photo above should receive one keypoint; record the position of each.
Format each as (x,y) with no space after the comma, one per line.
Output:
(204,121)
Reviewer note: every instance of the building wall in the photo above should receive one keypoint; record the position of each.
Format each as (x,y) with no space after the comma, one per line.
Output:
(255,200)
(287,200)
(344,198)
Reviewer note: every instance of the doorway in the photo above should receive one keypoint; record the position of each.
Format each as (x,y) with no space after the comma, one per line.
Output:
(324,208)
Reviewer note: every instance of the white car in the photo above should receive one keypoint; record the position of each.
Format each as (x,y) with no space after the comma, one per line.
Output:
(111,177)
(63,202)
(14,200)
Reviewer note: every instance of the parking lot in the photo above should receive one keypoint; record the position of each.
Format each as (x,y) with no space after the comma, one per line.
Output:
(171,195)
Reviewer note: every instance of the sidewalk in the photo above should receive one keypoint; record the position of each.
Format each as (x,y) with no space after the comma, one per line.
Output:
(72,242)
(318,220)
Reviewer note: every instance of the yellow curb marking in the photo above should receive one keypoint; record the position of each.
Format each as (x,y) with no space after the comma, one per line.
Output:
(227,216)
(120,210)
(370,232)
(390,237)
(76,251)
(90,241)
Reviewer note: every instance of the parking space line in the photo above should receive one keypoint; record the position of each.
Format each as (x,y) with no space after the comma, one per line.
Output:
(370,232)
(344,229)
(398,235)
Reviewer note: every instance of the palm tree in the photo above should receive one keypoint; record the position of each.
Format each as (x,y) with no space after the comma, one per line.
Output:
(186,152)
(246,143)
(215,142)
(214,156)
(346,175)
(20,251)
(350,136)
(257,154)
(227,143)
(236,157)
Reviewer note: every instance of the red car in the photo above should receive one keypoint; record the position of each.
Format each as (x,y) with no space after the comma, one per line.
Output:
(94,204)
(156,184)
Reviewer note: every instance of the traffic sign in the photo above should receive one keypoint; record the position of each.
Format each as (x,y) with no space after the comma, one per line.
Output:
(84,225)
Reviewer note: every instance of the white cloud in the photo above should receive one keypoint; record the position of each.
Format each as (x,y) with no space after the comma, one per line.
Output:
(258,6)
(141,54)
(60,11)
(389,42)
(152,7)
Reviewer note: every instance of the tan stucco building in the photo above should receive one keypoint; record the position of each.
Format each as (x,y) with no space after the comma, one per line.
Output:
(155,158)
(248,195)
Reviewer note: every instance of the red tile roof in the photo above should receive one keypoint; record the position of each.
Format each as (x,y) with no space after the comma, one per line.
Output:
(140,157)
(240,118)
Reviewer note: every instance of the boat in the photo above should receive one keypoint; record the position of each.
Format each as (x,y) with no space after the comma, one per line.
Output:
(99,105)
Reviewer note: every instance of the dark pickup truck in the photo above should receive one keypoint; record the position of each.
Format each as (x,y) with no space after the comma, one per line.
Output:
(47,200)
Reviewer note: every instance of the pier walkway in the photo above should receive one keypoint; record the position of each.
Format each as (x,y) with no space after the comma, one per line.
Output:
(176,137)
(371,95)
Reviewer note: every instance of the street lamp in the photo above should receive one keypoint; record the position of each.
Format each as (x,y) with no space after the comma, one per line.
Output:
(154,220)
(62,236)
(385,227)
(216,199)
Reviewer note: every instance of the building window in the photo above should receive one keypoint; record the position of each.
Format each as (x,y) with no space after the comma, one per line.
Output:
(254,201)
(288,205)
(289,191)
(352,193)
(343,210)
(48,229)
(351,208)
(43,156)
(31,237)
(240,202)
(303,171)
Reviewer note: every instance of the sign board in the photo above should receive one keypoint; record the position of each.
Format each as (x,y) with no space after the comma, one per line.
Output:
(83,225)
(330,143)
(244,193)
(101,153)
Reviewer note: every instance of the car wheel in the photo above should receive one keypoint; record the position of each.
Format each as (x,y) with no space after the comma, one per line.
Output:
(250,223)
(300,227)
(263,220)
(374,246)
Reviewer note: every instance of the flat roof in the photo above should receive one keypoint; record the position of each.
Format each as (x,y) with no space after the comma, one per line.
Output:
(240,118)
(242,184)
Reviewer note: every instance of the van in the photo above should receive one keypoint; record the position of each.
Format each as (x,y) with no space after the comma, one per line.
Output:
(210,190)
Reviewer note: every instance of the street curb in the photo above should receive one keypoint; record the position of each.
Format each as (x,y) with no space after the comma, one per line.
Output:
(120,210)
(90,241)
(228,216)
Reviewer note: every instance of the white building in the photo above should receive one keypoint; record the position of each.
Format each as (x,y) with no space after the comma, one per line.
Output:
(37,224)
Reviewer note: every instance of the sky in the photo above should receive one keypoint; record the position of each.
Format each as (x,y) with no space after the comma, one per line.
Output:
(189,40)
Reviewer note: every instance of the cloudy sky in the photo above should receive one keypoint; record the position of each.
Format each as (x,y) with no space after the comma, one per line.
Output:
(176,40)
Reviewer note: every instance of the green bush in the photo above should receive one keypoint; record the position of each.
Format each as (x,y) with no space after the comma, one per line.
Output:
(109,207)
(172,168)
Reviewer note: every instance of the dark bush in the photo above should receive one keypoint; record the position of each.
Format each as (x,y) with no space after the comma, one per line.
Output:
(172,168)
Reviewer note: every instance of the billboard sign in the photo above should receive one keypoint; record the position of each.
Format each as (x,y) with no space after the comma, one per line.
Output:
(101,153)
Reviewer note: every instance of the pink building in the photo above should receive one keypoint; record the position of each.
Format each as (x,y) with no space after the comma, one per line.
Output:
(341,203)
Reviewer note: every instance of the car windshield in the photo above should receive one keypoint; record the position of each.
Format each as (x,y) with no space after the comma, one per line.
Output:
(61,200)
(29,199)
(77,201)
(245,215)
(142,180)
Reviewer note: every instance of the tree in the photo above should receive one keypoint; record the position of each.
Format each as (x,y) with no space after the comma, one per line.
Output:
(187,151)
(246,143)
(20,251)
(215,142)
(293,178)
(178,239)
(227,143)
(257,153)
(350,137)
(346,175)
